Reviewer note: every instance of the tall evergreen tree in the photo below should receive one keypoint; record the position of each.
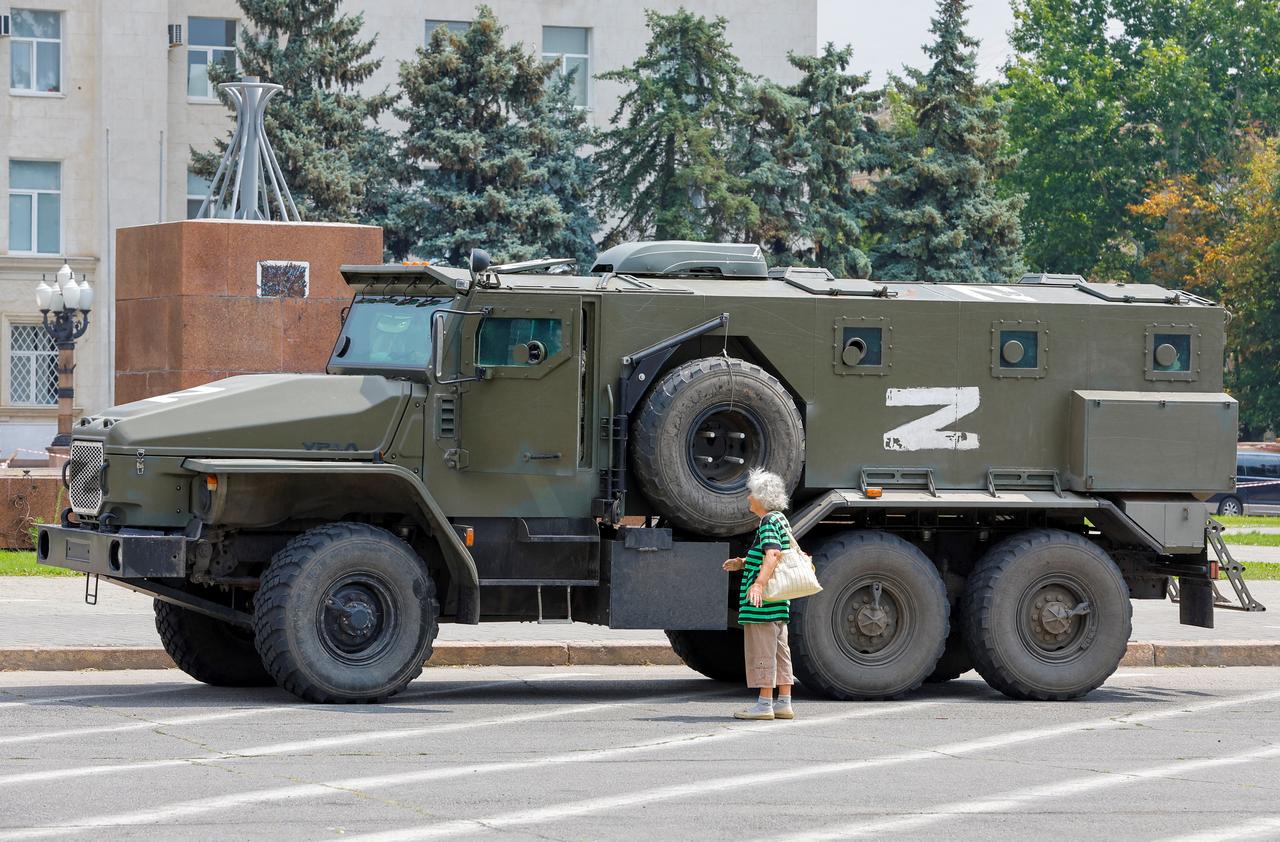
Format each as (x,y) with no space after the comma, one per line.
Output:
(939,212)
(664,165)
(489,156)
(839,133)
(323,130)
(770,151)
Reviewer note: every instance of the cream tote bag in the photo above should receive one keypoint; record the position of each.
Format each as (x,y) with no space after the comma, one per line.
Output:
(795,575)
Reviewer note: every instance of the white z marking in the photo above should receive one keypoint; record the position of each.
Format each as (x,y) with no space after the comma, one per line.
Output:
(926,433)
(173,397)
(991,293)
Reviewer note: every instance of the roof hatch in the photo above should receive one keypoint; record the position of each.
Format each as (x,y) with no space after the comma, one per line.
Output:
(683,258)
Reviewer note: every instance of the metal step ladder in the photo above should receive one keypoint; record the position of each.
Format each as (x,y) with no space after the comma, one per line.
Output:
(1228,565)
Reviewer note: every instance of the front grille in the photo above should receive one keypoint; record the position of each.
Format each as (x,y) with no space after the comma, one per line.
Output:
(84,477)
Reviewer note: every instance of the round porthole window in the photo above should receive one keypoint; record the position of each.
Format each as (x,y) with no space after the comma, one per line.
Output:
(1166,355)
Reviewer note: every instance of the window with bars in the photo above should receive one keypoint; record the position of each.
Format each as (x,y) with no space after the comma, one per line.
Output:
(33,366)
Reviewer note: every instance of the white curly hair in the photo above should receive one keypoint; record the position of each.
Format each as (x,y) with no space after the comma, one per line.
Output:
(769,489)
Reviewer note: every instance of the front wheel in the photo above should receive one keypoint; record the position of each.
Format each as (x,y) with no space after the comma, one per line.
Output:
(1046,616)
(878,626)
(346,613)
(1230,506)
(208,649)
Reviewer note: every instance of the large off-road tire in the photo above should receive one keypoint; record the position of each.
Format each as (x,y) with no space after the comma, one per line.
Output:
(955,660)
(842,646)
(346,613)
(208,649)
(1019,622)
(701,429)
(714,653)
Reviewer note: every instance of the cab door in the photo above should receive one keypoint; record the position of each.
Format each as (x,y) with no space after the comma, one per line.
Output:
(524,416)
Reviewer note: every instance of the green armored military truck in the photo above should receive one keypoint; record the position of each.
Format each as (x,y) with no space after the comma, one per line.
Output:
(986,475)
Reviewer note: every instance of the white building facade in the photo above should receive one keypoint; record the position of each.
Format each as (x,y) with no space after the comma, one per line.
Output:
(102,101)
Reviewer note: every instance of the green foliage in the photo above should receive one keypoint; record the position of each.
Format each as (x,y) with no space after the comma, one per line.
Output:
(490,155)
(939,211)
(323,131)
(665,169)
(1110,96)
(23,563)
(838,131)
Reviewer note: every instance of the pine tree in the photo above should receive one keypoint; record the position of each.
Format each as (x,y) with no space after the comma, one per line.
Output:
(490,155)
(664,164)
(323,131)
(939,212)
(839,131)
(770,152)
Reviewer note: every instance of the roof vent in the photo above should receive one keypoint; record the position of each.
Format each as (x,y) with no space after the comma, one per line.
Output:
(683,258)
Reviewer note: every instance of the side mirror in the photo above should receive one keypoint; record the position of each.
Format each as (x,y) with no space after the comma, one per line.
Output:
(479,263)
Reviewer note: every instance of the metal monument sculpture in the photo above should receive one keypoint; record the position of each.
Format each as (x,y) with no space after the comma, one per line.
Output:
(249,183)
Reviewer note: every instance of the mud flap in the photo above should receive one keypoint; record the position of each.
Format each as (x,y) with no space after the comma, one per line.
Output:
(1195,602)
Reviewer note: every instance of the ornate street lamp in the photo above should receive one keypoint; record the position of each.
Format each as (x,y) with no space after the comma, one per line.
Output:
(59,303)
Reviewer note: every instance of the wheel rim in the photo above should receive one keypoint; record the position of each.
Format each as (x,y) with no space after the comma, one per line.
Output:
(874,620)
(1230,507)
(725,442)
(1056,620)
(357,618)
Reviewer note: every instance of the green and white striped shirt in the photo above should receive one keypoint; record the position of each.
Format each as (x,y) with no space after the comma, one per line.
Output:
(773,534)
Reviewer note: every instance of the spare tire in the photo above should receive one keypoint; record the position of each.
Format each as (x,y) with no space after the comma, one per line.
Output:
(698,433)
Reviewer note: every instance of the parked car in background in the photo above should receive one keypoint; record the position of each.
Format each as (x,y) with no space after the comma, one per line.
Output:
(1257,482)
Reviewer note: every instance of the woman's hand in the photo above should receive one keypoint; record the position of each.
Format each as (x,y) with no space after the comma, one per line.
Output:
(756,595)
(733,564)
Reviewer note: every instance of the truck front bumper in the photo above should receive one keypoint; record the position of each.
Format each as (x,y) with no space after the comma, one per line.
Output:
(129,554)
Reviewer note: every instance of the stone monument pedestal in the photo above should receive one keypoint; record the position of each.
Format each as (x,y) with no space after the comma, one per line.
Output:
(205,299)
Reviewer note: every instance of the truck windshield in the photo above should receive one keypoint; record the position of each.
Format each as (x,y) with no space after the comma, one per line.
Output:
(382,333)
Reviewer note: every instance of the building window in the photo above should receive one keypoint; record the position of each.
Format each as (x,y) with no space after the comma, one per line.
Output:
(197,189)
(35,207)
(455,27)
(35,59)
(568,48)
(212,41)
(33,366)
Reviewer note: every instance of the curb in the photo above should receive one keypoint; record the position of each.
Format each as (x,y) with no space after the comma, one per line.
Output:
(1244,653)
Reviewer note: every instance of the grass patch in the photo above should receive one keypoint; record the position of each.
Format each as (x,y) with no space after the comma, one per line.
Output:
(23,563)
(1252,539)
(1260,570)
(1247,520)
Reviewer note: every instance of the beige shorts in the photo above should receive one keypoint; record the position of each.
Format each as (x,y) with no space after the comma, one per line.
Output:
(768,655)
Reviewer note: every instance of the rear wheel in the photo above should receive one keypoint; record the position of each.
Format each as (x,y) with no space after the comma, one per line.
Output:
(715,653)
(879,625)
(955,660)
(1230,506)
(210,650)
(1046,616)
(346,613)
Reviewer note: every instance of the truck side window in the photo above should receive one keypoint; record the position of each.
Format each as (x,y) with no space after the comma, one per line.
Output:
(1019,349)
(1171,352)
(517,342)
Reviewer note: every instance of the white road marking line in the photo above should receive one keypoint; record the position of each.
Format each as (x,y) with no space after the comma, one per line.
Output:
(358,785)
(1261,826)
(339,741)
(1009,802)
(150,725)
(701,788)
(45,700)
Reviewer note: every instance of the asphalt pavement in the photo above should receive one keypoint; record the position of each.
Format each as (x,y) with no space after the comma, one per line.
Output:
(635,752)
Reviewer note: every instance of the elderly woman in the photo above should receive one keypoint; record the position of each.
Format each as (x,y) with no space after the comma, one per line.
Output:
(764,624)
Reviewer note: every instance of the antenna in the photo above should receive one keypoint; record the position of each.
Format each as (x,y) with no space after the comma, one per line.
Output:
(249,183)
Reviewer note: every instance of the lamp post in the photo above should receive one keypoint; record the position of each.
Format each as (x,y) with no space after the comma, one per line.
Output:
(59,304)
